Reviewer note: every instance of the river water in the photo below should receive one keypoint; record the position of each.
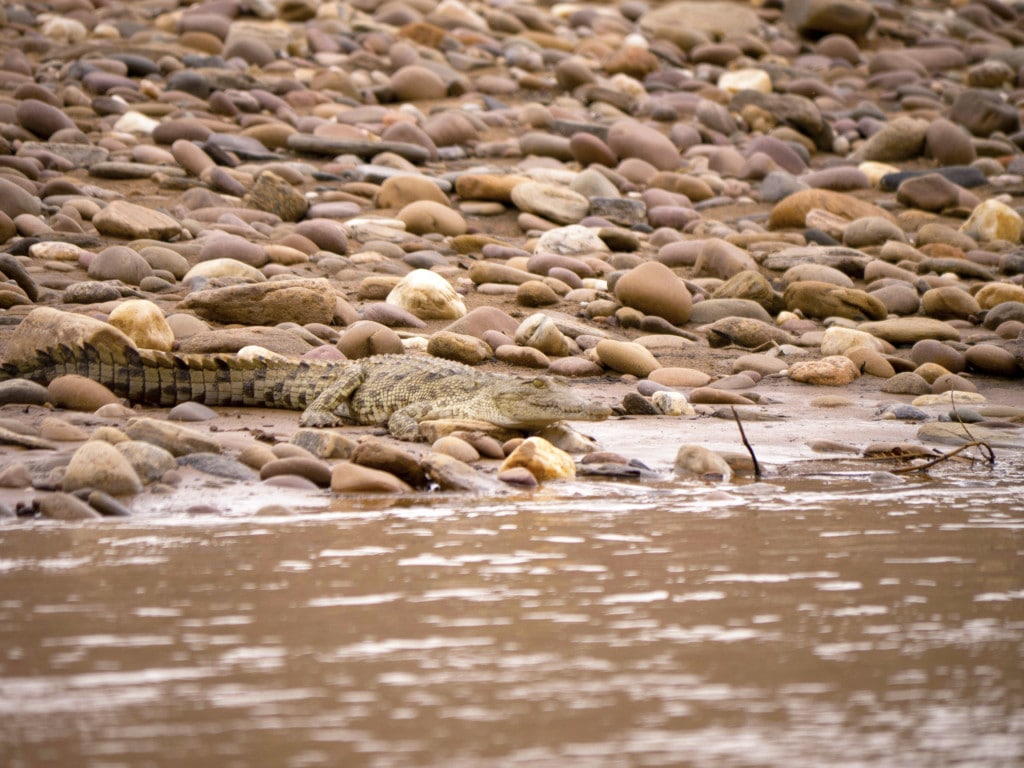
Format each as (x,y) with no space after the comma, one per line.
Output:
(829,620)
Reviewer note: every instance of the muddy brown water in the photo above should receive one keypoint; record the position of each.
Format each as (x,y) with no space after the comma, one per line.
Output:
(834,620)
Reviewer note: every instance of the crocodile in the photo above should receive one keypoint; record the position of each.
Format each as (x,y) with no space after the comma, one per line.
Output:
(398,391)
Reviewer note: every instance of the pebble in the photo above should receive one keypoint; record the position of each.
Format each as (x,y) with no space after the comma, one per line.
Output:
(542,459)
(101,466)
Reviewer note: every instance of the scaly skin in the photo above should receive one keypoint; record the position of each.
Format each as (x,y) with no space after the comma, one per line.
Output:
(397,390)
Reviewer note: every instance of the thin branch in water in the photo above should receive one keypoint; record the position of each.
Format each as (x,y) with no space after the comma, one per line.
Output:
(986,448)
(746,443)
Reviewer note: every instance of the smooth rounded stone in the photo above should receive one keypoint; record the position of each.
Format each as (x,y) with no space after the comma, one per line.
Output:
(816,18)
(15,475)
(457,448)
(588,149)
(745,332)
(983,112)
(958,434)
(949,303)
(932,351)
(165,259)
(143,322)
(930,372)
(910,330)
(487,186)
(366,338)
(993,220)
(791,212)
(61,431)
(574,367)
(328,235)
(719,258)
(542,144)
(400,190)
(317,472)
(391,316)
(992,360)
(711,310)
(931,192)
(839,179)
(898,140)
(655,289)
(348,477)
(558,204)
(227,246)
(100,465)
(173,438)
(906,383)
(452,474)
(679,377)
(715,396)
(534,293)
(459,347)
(224,268)
(950,382)
(417,83)
(544,262)
(833,371)
(696,461)
(872,230)
(65,507)
(948,143)
(150,462)
(870,362)
(822,300)
(41,118)
(428,296)
(525,357)
(218,466)
(992,295)
(816,273)
(629,138)
(542,459)
(23,392)
(485,272)
(672,404)
(425,217)
(693,188)
(542,333)
(838,340)
(130,221)
(273,194)
(777,185)
(621,211)
(745,380)
(764,365)
(119,262)
(626,357)
(1004,312)
(192,157)
(77,393)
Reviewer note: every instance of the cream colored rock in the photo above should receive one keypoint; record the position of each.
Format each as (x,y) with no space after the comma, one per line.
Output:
(875,171)
(542,459)
(672,404)
(700,462)
(746,79)
(626,357)
(46,328)
(100,465)
(574,240)
(144,323)
(838,340)
(224,268)
(993,220)
(428,296)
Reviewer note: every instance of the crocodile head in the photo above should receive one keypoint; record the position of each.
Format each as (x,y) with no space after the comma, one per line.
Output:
(538,402)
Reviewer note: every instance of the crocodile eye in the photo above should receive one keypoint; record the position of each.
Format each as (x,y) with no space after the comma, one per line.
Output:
(539,383)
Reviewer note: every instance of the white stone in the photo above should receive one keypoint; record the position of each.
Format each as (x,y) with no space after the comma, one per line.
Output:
(428,296)
(838,340)
(144,323)
(574,240)
(135,122)
(224,268)
(993,220)
(747,79)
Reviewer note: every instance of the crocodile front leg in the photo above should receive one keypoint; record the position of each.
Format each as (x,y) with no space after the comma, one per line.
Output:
(405,422)
(331,407)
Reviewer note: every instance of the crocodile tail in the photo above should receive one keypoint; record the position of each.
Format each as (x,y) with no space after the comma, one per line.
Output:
(165,379)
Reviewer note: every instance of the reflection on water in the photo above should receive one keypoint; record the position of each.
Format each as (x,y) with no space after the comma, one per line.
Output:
(835,621)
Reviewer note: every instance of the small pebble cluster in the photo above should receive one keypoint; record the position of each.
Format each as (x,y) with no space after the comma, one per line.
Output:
(693,197)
